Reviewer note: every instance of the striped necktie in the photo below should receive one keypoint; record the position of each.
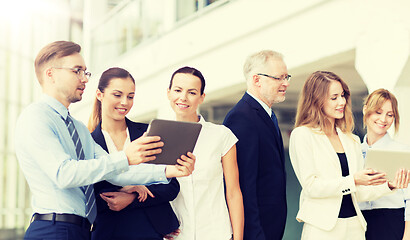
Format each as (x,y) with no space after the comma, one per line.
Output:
(275,122)
(90,208)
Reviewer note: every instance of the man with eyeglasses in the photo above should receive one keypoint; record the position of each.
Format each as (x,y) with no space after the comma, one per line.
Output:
(60,159)
(260,153)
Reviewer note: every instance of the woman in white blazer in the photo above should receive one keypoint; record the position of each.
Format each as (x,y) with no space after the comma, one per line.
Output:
(328,162)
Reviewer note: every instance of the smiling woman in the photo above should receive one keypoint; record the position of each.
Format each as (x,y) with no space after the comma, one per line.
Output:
(116,88)
(185,95)
(203,209)
(387,217)
(143,212)
(117,99)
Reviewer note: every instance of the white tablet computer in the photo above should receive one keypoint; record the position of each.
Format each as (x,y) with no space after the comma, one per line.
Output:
(178,137)
(387,161)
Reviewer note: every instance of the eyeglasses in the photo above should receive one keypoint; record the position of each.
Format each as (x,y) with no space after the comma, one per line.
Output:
(287,77)
(81,73)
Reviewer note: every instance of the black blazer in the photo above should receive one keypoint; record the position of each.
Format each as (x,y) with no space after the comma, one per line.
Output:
(261,165)
(158,211)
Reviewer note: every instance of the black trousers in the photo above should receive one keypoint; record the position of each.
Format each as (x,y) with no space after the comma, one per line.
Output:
(40,230)
(384,224)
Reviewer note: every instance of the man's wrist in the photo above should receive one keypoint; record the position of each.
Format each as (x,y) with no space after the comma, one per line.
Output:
(170,171)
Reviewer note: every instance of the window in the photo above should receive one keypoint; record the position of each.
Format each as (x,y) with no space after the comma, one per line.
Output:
(186,8)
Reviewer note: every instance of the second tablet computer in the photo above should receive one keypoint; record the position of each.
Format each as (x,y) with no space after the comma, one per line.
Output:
(178,137)
(387,161)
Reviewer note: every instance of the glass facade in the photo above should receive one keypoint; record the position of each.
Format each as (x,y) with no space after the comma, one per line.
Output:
(24,30)
(127,24)
(17,91)
(186,8)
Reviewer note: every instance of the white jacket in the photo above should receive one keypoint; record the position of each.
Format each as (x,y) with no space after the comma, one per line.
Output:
(318,170)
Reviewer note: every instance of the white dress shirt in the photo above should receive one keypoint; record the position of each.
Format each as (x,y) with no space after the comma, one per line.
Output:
(200,205)
(264,105)
(398,199)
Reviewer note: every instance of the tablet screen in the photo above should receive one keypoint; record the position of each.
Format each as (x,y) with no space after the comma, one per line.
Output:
(387,161)
(178,137)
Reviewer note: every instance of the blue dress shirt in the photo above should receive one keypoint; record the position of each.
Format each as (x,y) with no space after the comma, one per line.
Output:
(47,157)
(398,199)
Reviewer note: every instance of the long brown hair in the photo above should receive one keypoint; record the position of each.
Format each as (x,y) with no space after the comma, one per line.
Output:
(310,111)
(374,102)
(106,77)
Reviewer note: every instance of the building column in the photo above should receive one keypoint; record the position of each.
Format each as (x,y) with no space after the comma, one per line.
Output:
(402,92)
(382,55)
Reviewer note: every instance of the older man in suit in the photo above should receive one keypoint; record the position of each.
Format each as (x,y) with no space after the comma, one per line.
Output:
(260,153)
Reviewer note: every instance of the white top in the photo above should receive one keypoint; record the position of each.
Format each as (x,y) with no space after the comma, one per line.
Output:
(398,199)
(200,205)
(110,143)
(264,105)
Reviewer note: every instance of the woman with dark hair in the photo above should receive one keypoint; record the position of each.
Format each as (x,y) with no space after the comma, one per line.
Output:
(205,207)
(146,214)
(387,217)
(328,162)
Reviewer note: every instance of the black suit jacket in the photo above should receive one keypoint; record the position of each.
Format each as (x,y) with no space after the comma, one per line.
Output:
(261,165)
(158,209)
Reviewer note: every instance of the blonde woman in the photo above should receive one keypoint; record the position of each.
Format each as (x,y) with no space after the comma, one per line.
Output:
(387,217)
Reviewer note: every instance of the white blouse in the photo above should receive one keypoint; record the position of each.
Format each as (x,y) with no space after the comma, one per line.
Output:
(110,143)
(200,205)
(398,199)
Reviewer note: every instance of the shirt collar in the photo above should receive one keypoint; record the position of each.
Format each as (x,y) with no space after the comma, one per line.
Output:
(384,141)
(264,105)
(201,119)
(56,105)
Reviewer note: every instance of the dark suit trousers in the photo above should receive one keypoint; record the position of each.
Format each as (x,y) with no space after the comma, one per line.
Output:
(384,223)
(44,230)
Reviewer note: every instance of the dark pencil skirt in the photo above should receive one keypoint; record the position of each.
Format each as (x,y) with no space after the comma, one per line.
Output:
(384,223)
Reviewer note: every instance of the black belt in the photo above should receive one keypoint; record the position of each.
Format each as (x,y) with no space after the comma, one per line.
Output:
(63,217)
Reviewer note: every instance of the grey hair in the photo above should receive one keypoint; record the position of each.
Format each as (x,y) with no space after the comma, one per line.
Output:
(258,60)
